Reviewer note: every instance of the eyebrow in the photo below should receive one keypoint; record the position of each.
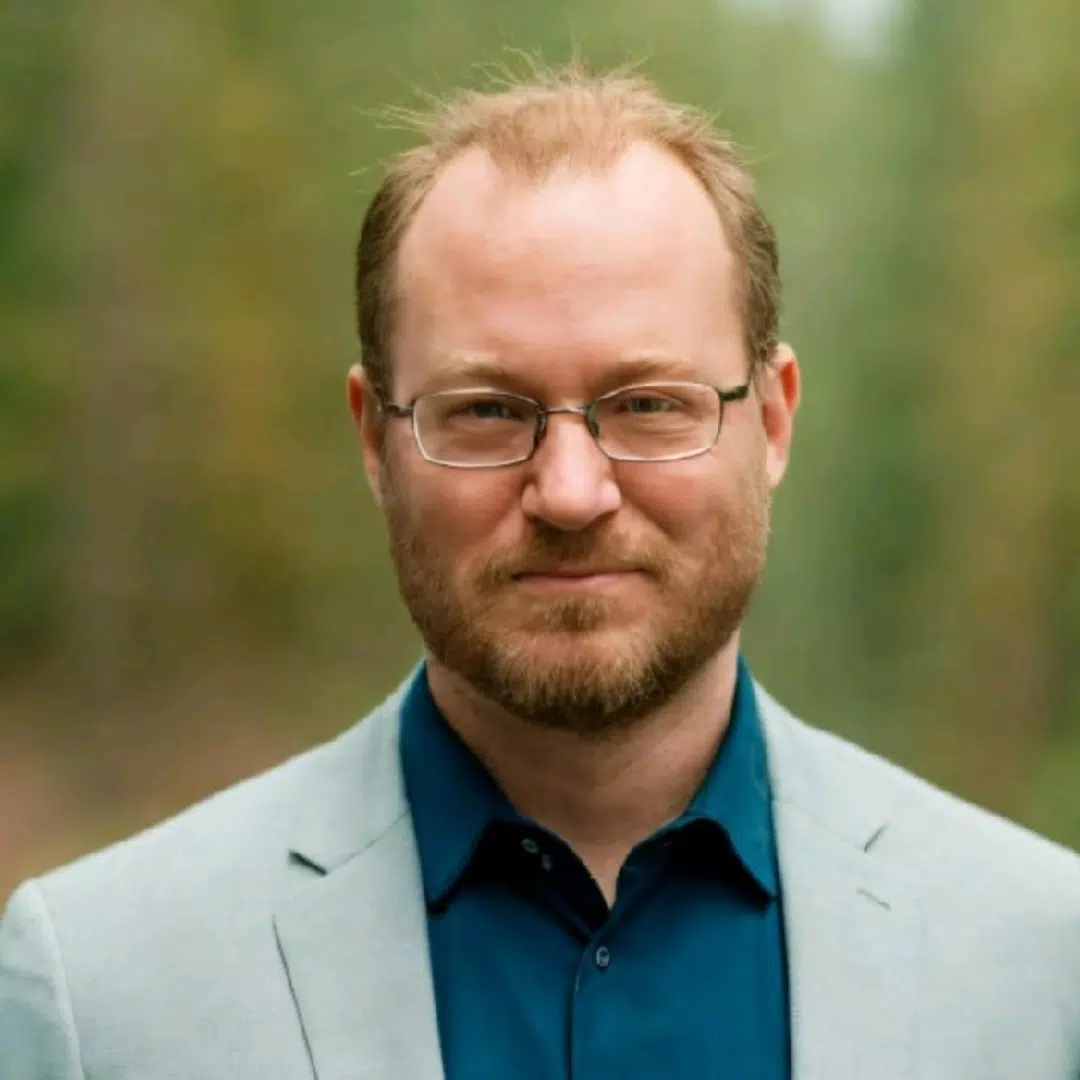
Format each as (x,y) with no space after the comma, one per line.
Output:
(643,366)
(468,369)
(486,369)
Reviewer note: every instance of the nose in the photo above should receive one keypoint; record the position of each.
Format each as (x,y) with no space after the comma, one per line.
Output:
(571,482)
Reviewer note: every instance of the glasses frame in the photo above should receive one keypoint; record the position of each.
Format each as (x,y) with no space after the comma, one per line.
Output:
(587,411)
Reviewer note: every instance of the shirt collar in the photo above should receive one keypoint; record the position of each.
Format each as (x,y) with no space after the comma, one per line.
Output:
(454,800)
(735,794)
(452,796)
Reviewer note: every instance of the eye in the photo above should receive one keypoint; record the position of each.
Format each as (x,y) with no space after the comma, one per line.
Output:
(486,409)
(490,409)
(646,404)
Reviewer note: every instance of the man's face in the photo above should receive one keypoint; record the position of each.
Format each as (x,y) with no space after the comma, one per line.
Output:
(574,591)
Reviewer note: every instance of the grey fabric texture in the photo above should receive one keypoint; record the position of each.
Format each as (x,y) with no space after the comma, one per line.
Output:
(277,931)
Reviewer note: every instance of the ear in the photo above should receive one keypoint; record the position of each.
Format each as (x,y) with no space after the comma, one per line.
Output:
(779,391)
(364,407)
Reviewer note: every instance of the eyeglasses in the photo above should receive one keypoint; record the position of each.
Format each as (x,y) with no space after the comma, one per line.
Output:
(488,429)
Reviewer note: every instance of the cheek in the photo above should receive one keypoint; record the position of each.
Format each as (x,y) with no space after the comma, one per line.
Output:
(680,499)
(464,511)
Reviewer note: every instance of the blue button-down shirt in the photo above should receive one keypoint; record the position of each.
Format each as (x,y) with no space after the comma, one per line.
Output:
(537,979)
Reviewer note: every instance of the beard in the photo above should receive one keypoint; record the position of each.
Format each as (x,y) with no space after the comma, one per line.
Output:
(578,663)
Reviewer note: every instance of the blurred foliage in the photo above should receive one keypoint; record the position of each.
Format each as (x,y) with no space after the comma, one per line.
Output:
(195,581)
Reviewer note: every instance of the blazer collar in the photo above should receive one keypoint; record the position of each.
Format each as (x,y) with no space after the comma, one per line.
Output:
(354,937)
(362,789)
(853,922)
(814,771)
(360,792)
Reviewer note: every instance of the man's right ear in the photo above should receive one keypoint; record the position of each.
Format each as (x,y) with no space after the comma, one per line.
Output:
(364,406)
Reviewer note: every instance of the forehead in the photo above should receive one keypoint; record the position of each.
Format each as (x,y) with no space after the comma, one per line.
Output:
(579,264)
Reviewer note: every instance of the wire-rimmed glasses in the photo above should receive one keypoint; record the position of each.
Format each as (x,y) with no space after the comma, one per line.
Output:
(480,428)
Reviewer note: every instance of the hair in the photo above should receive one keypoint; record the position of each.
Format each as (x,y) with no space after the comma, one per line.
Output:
(532,126)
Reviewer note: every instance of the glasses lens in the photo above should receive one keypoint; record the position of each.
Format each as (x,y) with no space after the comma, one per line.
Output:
(475,427)
(659,420)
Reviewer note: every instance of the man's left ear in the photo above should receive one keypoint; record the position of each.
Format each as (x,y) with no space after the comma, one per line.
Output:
(779,387)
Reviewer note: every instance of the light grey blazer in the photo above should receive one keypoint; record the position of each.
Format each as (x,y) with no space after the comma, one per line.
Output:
(277,932)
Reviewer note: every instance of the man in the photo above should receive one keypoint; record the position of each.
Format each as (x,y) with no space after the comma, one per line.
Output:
(579,841)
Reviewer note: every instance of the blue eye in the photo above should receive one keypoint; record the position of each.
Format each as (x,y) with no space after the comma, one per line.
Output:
(484,409)
(490,410)
(648,403)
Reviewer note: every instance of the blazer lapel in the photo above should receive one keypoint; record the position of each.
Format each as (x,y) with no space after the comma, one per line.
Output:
(354,939)
(853,924)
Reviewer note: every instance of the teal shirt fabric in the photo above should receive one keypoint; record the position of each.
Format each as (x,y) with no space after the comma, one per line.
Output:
(537,979)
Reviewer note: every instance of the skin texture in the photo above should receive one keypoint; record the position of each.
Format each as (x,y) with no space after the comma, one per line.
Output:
(596,702)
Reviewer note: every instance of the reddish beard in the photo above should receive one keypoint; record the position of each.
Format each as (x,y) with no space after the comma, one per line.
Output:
(576,662)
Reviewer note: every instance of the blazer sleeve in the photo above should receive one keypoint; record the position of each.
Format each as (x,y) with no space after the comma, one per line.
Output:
(38,1040)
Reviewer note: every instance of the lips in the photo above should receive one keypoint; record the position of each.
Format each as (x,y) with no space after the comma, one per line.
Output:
(563,580)
(573,571)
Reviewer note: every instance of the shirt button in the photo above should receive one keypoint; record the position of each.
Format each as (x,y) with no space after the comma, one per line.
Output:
(530,845)
(602,956)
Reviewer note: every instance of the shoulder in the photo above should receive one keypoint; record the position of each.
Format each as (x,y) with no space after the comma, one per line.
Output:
(913,823)
(241,842)
(178,919)
(996,907)
(235,827)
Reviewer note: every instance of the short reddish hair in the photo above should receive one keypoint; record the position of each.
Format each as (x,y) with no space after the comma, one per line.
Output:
(529,128)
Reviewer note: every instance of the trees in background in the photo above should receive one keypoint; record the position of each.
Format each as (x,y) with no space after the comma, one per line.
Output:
(179,487)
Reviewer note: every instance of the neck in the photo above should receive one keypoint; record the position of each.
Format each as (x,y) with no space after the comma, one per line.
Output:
(601,795)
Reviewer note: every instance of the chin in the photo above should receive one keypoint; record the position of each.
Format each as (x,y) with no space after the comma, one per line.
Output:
(581,649)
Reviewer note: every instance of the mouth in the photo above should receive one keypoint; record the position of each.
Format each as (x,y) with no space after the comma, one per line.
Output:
(576,579)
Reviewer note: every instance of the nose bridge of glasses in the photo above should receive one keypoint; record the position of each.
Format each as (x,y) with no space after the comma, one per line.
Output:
(587,412)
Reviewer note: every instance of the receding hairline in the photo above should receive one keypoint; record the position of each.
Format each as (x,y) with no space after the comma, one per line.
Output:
(570,169)
(575,118)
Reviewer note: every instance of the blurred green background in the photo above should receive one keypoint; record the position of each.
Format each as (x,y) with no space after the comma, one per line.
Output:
(194,580)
